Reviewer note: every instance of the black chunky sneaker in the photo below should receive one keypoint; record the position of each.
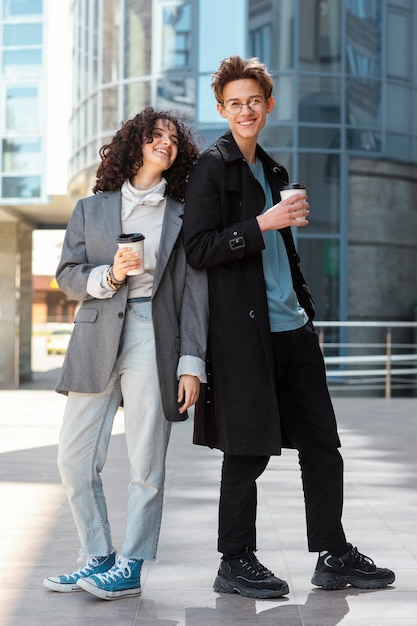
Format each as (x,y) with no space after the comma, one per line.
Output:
(352,568)
(245,575)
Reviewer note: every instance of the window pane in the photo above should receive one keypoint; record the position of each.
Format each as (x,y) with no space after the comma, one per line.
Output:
(178,92)
(399,107)
(319,137)
(14,8)
(363,38)
(137,43)
(399,47)
(365,139)
(319,99)
(91,152)
(84,118)
(111,29)
(137,96)
(274,136)
(95,54)
(176,37)
(260,40)
(75,132)
(20,62)
(320,266)
(207,112)
(363,102)
(260,36)
(21,156)
(22,34)
(22,108)
(320,35)
(23,187)
(85,52)
(93,108)
(320,173)
(110,112)
(271,32)
(283,93)
(400,146)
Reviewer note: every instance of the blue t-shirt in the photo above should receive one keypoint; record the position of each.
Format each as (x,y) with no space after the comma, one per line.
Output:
(285,312)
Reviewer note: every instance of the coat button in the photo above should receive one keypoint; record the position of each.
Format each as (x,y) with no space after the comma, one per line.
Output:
(120,315)
(252,314)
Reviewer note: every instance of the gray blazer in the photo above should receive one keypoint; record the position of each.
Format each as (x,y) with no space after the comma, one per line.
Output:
(179,300)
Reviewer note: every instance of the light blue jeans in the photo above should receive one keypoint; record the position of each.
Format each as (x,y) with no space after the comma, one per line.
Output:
(85,437)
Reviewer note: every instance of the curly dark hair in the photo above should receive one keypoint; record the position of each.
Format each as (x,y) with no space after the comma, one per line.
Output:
(122,157)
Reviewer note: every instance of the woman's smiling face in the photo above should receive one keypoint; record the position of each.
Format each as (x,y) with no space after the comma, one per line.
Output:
(163,149)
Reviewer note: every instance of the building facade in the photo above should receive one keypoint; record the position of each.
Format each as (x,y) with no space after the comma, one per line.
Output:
(345,121)
(22,173)
(31,73)
(23,94)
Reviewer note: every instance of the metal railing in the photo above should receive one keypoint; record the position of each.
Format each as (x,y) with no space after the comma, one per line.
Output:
(364,354)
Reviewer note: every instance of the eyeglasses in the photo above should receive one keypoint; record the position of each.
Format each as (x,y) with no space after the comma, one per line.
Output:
(233,107)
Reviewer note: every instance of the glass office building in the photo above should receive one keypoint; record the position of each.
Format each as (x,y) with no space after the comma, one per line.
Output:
(344,124)
(22,102)
(23,118)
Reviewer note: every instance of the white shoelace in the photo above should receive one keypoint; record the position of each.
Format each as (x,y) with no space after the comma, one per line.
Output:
(92,562)
(120,570)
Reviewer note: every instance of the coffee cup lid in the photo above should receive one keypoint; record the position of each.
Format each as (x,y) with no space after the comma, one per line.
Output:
(294,186)
(130,237)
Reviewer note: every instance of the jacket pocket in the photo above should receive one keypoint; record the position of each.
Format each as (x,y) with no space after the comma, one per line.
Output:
(86,315)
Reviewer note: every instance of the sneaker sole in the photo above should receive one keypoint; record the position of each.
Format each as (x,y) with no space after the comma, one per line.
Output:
(107,595)
(334,582)
(222,585)
(61,587)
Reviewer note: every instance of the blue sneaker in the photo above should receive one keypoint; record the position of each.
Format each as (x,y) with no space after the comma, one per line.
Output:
(123,579)
(68,582)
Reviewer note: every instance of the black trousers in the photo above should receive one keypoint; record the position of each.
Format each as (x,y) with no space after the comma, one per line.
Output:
(308,423)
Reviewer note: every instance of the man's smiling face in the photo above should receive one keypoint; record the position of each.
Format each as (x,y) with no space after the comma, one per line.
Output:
(246,124)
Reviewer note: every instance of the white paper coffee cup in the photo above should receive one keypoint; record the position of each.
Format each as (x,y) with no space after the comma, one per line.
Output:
(291,190)
(134,241)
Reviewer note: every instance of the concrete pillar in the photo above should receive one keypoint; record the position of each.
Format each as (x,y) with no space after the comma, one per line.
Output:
(382,254)
(25,308)
(15,303)
(382,247)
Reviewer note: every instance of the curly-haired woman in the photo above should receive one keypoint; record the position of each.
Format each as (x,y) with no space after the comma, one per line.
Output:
(138,340)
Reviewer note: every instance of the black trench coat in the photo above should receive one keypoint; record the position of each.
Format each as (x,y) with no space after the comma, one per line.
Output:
(237,411)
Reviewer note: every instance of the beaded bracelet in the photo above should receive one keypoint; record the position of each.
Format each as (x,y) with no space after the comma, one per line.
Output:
(112,280)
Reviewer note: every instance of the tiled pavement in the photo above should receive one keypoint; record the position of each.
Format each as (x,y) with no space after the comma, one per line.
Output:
(38,539)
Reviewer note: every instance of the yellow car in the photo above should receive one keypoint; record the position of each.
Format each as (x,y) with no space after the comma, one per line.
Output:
(57,341)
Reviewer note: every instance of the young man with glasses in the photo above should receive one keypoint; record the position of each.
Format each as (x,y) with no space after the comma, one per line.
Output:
(266,378)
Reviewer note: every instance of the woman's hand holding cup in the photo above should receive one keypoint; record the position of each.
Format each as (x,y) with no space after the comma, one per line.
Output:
(128,260)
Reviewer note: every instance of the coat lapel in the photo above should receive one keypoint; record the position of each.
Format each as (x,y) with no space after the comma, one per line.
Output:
(111,205)
(171,228)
